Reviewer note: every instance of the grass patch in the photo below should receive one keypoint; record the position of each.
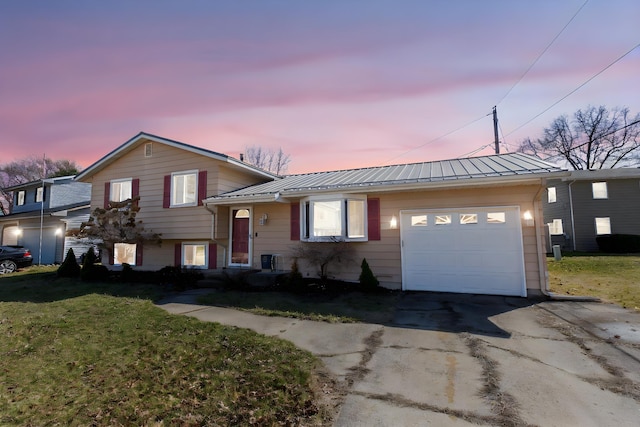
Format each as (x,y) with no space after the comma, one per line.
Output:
(613,278)
(345,307)
(72,357)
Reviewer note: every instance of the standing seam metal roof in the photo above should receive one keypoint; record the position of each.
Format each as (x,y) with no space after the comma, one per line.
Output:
(503,165)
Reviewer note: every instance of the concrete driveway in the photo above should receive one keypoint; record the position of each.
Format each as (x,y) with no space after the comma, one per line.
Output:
(461,360)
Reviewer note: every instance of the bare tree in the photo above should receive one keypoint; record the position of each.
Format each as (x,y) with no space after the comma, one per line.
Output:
(30,169)
(274,161)
(594,138)
(117,224)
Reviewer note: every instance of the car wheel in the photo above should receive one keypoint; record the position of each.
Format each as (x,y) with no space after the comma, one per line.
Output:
(7,266)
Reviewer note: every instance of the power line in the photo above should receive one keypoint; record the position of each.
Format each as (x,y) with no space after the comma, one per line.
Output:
(543,52)
(606,134)
(436,139)
(574,90)
(477,150)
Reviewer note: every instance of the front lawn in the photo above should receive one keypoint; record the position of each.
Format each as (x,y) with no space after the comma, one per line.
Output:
(614,278)
(70,356)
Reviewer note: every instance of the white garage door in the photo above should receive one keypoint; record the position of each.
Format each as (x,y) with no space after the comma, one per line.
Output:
(470,250)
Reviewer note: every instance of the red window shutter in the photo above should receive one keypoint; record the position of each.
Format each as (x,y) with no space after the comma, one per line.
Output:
(166,196)
(202,186)
(139,254)
(111,255)
(295,221)
(135,188)
(177,255)
(213,255)
(373,217)
(107,194)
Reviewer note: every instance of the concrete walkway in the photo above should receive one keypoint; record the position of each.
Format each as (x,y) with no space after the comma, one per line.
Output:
(460,360)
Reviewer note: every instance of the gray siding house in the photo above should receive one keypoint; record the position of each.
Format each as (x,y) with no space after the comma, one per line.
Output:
(43,212)
(589,203)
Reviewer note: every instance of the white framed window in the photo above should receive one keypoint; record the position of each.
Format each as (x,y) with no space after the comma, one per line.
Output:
(148,149)
(334,218)
(599,190)
(120,190)
(39,194)
(20,198)
(195,255)
(551,195)
(184,188)
(496,218)
(603,226)
(556,228)
(124,253)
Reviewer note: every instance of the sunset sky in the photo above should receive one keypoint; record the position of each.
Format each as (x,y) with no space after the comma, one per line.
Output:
(334,83)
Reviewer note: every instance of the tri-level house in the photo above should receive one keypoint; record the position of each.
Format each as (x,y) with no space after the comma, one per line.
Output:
(467,225)
(590,203)
(42,213)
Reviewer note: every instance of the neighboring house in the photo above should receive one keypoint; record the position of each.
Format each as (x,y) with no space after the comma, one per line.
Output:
(171,178)
(470,225)
(589,203)
(43,211)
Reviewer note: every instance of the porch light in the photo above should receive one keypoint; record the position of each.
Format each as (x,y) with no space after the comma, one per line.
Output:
(528,219)
(263,219)
(58,231)
(18,232)
(393,224)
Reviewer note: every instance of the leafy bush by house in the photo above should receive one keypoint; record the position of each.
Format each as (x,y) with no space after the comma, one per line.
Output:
(69,267)
(619,243)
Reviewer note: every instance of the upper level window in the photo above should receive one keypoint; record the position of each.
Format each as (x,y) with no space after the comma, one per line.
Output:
(184,187)
(599,190)
(339,218)
(20,198)
(39,194)
(148,149)
(551,195)
(120,190)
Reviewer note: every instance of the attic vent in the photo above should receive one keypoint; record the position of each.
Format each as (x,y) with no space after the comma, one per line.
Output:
(148,149)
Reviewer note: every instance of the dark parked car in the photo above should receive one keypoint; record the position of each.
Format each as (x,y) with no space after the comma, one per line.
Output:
(14,257)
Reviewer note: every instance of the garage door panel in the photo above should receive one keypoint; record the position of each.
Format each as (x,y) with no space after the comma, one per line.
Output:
(479,256)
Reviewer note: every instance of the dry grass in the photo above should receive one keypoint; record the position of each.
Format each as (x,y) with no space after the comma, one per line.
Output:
(614,279)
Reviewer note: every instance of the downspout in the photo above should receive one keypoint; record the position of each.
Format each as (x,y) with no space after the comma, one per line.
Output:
(542,261)
(573,224)
(213,234)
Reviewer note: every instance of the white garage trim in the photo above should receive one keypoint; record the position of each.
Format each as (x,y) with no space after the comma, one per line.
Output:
(467,250)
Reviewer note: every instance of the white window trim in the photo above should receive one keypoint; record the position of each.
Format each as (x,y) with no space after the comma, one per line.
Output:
(39,194)
(552,195)
(343,198)
(599,196)
(20,200)
(120,181)
(206,255)
(171,195)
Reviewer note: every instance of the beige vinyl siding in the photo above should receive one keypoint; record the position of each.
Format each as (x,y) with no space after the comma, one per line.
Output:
(383,256)
(193,223)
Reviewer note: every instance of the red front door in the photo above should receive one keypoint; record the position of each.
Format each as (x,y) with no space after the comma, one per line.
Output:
(240,237)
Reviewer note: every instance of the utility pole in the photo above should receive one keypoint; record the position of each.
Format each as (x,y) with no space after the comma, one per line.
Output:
(495,130)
